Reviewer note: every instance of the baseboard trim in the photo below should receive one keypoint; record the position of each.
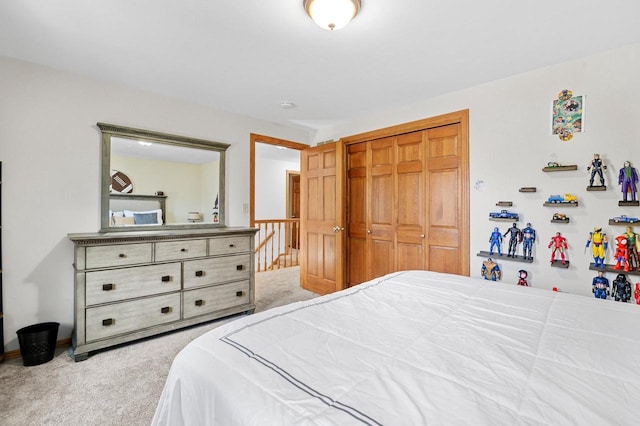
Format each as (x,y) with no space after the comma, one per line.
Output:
(16,353)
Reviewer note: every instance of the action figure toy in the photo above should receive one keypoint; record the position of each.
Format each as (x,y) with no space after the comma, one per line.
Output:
(491,270)
(559,244)
(636,293)
(515,237)
(600,286)
(596,167)
(621,288)
(528,238)
(633,246)
(599,246)
(496,241)
(522,278)
(622,253)
(628,178)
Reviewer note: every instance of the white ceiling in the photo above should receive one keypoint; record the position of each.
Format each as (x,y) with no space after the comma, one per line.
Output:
(246,56)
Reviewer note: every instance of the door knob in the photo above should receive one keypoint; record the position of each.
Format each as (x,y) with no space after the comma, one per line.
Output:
(421,235)
(368,231)
(336,229)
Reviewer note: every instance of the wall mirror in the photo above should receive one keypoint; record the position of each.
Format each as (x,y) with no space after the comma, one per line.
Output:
(157,181)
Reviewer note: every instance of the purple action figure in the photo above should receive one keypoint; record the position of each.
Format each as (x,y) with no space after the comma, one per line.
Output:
(628,178)
(496,241)
(600,286)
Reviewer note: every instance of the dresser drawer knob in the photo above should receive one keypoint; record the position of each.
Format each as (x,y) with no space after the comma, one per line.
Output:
(122,255)
(232,245)
(239,293)
(107,322)
(199,302)
(199,273)
(239,267)
(166,278)
(108,287)
(165,310)
(183,249)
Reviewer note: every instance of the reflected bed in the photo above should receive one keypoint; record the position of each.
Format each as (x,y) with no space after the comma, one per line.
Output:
(415,347)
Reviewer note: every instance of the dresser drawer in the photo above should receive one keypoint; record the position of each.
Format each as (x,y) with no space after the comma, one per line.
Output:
(127,283)
(229,245)
(210,299)
(184,249)
(203,272)
(134,315)
(117,255)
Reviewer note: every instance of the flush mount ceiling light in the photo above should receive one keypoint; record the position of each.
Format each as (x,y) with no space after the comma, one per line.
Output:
(332,14)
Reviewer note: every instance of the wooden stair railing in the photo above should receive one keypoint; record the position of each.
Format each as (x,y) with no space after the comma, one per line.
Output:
(277,243)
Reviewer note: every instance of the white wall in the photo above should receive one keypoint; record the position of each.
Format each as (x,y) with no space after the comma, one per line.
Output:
(510,143)
(50,149)
(271,187)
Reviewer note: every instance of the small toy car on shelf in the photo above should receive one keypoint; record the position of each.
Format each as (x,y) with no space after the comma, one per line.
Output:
(559,216)
(503,214)
(625,219)
(567,198)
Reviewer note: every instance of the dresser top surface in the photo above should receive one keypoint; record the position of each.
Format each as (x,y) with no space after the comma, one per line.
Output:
(155,235)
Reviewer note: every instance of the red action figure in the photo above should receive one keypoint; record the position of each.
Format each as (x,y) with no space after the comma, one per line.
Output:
(636,293)
(622,253)
(559,244)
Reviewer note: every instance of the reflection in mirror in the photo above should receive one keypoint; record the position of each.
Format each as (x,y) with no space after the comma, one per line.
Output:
(154,180)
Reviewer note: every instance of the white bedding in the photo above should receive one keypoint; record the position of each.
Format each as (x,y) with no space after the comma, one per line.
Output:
(415,348)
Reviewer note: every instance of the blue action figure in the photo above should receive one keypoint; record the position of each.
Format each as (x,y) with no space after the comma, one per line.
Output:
(596,167)
(528,238)
(514,239)
(600,286)
(490,270)
(496,241)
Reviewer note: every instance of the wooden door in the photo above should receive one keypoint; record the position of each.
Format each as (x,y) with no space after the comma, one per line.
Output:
(411,199)
(446,185)
(357,201)
(407,199)
(321,218)
(294,208)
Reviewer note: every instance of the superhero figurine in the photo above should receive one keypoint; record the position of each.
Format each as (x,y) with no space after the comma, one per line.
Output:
(514,239)
(621,288)
(491,270)
(633,246)
(628,178)
(596,166)
(559,244)
(522,277)
(528,238)
(599,247)
(622,253)
(636,293)
(496,241)
(600,286)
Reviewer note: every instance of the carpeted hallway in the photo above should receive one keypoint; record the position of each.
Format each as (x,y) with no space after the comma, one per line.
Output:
(120,386)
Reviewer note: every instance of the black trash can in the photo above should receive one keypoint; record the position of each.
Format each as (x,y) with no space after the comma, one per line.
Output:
(38,343)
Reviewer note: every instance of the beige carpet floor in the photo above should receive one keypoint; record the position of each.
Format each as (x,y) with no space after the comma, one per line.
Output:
(120,386)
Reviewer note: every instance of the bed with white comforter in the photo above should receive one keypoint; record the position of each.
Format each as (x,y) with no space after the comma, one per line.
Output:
(415,348)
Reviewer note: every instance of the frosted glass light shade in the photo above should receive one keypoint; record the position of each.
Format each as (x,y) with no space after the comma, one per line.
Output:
(332,14)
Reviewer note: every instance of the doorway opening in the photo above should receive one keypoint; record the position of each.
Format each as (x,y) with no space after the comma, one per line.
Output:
(274,200)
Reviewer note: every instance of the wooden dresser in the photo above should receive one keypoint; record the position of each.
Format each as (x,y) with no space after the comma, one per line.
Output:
(131,285)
